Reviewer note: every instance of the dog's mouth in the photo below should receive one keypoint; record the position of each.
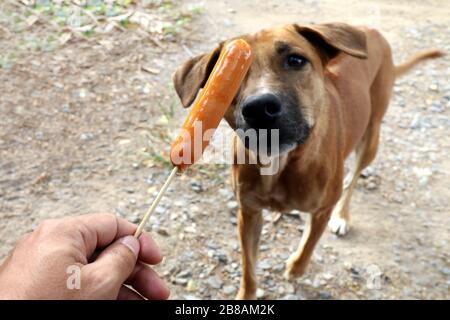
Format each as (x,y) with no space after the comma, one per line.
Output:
(271,142)
(270,125)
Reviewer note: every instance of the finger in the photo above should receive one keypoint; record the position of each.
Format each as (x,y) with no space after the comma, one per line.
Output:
(126,293)
(100,230)
(150,252)
(116,262)
(147,282)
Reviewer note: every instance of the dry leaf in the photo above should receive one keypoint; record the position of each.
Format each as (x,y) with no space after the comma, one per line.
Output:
(65,37)
(31,20)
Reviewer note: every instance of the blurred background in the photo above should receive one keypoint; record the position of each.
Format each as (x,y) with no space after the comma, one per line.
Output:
(87,114)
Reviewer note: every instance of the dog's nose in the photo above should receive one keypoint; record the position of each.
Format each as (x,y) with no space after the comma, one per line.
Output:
(261,109)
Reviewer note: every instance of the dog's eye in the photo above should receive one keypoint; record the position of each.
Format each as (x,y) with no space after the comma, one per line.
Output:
(294,62)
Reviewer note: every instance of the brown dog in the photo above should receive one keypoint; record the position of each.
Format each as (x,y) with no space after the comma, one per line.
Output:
(326,89)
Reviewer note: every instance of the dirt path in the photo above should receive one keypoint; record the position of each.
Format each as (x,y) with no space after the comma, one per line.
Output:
(84,129)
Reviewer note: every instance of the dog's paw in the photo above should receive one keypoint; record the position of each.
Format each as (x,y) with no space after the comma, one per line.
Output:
(338,226)
(243,295)
(292,271)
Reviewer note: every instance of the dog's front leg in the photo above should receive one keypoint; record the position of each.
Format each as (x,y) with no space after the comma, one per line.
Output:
(250,226)
(299,260)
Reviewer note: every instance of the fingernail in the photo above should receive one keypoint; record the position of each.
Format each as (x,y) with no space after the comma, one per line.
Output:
(132,243)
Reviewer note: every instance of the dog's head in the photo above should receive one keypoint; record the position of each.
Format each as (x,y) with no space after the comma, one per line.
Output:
(284,88)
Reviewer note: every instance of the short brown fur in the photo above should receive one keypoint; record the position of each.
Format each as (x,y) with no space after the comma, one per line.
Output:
(344,94)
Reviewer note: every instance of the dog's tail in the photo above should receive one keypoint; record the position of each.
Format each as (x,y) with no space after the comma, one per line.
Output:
(403,68)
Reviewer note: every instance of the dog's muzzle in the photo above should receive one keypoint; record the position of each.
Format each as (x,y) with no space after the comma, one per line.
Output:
(276,121)
(262,111)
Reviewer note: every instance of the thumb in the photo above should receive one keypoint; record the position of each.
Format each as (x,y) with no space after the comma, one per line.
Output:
(118,260)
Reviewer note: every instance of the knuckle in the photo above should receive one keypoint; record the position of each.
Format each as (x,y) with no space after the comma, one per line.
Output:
(110,216)
(52,227)
(45,226)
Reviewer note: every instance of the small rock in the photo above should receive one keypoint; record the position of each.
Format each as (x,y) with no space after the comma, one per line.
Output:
(163,232)
(397,198)
(39,135)
(160,210)
(415,123)
(221,257)
(225,193)
(231,10)
(191,297)
(170,37)
(190,229)
(232,205)
(215,282)
(227,23)
(122,211)
(180,203)
(318,282)
(196,186)
(306,282)
(400,186)
(129,190)
(318,257)
(325,295)
(260,293)
(290,297)
(211,244)
(437,107)
(150,179)
(354,271)
(264,265)
(327,276)
(191,286)
(283,255)
(86,136)
(445,271)
(423,174)
(371,186)
(229,290)
(368,172)
(66,108)
(181,281)
(184,274)
(290,288)
(82,93)
(433,87)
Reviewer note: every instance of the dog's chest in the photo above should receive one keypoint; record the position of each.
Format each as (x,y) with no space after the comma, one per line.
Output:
(289,191)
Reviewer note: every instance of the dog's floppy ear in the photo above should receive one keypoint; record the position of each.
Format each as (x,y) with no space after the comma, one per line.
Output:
(335,37)
(192,75)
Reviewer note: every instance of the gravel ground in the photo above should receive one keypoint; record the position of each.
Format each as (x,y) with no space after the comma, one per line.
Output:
(86,128)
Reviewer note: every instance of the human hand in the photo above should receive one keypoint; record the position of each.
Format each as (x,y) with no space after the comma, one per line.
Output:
(85,257)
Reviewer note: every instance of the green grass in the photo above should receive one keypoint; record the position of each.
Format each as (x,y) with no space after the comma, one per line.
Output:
(56,20)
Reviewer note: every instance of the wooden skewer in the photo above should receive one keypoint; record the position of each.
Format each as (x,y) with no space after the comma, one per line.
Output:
(155,203)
